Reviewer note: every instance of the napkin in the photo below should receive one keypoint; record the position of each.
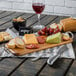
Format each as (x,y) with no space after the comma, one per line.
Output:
(69,53)
(11,33)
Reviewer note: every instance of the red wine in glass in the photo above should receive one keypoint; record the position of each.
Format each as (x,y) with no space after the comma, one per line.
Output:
(38,7)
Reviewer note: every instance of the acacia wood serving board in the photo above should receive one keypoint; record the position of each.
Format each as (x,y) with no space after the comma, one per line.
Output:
(24,51)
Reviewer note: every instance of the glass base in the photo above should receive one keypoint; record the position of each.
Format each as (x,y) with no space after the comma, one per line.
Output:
(37,27)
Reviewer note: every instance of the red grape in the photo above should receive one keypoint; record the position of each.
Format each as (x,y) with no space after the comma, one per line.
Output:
(56,30)
(44,29)
(39,32)
(43,33)
(51,31)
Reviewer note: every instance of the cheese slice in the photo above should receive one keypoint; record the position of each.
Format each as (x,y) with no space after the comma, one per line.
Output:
(30,39)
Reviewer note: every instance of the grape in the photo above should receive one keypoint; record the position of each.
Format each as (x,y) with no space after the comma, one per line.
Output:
(51,31)
(39,32)
(44,29)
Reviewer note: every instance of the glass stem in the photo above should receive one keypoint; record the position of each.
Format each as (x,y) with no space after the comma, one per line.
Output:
(38,19)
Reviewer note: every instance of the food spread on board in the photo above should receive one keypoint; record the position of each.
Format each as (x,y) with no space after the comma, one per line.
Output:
(47,37)
(50,35)
(16,43)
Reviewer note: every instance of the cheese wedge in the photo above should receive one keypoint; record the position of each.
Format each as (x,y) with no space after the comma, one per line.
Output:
(30,39)
(55,38)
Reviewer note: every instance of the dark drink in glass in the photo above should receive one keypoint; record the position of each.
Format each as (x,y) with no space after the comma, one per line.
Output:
(38,7)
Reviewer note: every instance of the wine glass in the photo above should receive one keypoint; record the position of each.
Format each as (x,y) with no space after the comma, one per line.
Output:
(38,6)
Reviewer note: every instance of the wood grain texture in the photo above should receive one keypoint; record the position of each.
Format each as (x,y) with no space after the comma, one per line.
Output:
(57,20)
(74,43)
(9,24)
(24,51)
(46,20)
(33,20)
(5,14)
(8,64)
(9,17)
(58,68)
(72,70)
(1,12)
(29,68)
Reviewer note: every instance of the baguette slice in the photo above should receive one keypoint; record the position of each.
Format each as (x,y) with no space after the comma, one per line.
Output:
(19,43)
(11,44)
(30,39)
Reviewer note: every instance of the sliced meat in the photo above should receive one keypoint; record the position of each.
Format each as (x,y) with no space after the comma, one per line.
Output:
(41,39)
(32,46)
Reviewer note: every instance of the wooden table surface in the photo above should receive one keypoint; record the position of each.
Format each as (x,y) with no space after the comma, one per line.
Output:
(24,66)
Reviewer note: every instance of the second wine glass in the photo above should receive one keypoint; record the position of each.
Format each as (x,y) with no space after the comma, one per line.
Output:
(38,7)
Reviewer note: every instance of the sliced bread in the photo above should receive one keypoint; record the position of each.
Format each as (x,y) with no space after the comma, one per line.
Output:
(19,43)
(11,44)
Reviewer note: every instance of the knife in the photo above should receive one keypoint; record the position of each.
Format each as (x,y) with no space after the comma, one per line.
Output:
(60,50)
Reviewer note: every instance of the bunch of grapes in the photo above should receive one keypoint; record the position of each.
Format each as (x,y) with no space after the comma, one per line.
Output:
(48,31)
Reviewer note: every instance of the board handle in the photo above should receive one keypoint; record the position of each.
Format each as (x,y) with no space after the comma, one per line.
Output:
(70,34)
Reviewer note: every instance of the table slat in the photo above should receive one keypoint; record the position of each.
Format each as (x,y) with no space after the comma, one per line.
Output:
(8,64)
(29,68)
(8,18)
(58,69)
(72,70)
(1,12)
(9,24)
(5,14)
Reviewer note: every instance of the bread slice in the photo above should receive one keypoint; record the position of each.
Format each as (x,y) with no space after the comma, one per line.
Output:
(1,38)
(68,24)
(8,37)
(19,43)
(4,33)
(11,44)
(30,39)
